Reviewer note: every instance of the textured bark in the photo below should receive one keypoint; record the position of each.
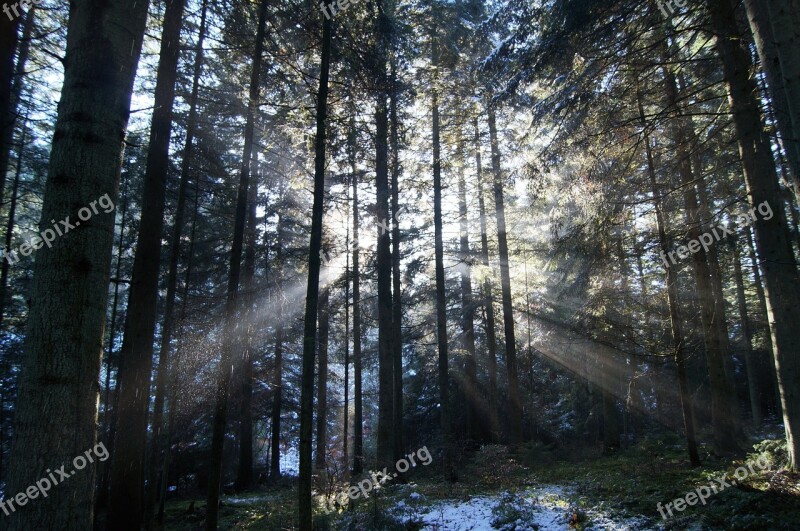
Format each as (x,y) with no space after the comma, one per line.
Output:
(322,380)
(784,16)
(493,427)
(772,235)
(231,328)
(312,290)
(159,448)
(64,335)
(676,322)
(515,413)
(127,503)
(761,27)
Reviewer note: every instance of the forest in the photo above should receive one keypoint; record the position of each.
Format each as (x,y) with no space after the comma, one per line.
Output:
(399,265)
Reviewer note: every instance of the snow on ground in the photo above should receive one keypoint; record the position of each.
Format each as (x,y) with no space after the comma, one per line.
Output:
(544,508)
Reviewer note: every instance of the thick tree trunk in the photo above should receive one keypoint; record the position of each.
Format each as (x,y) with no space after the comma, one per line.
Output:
(515,415)
(64,335)
(312,291)
(322,381)
(784,16)
(397,303)
(493,427)
(676,323)
(385,442)
(127,502)
(772,235)
(761,27)
(158,451)
(231,329)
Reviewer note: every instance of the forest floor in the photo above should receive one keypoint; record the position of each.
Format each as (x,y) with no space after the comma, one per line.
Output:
(533,487)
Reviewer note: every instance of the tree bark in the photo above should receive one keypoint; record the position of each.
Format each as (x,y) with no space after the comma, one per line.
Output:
(64,336)
(772,235)
(493,427)
(277,379)
(470,383)
(312,291)
(397,303)
(158,452)
(322,381)
(784,16)
(127,502)
(515,414)
(761,27)
(232,306)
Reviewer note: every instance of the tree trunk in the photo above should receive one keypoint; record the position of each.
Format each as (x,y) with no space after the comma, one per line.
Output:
(12,212)
(724,414)
(772,235)
(470,383)
(232,307)
(488,302)
(244,478)
(127,502)
(312,292)
(784,16)
(397,303)
(676,323)
(8,123)
(747,334)
(64,336)
(761,27)
(322,380)
(158,451)
(515,415)
(277,381)
(9,40)
(358,411)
